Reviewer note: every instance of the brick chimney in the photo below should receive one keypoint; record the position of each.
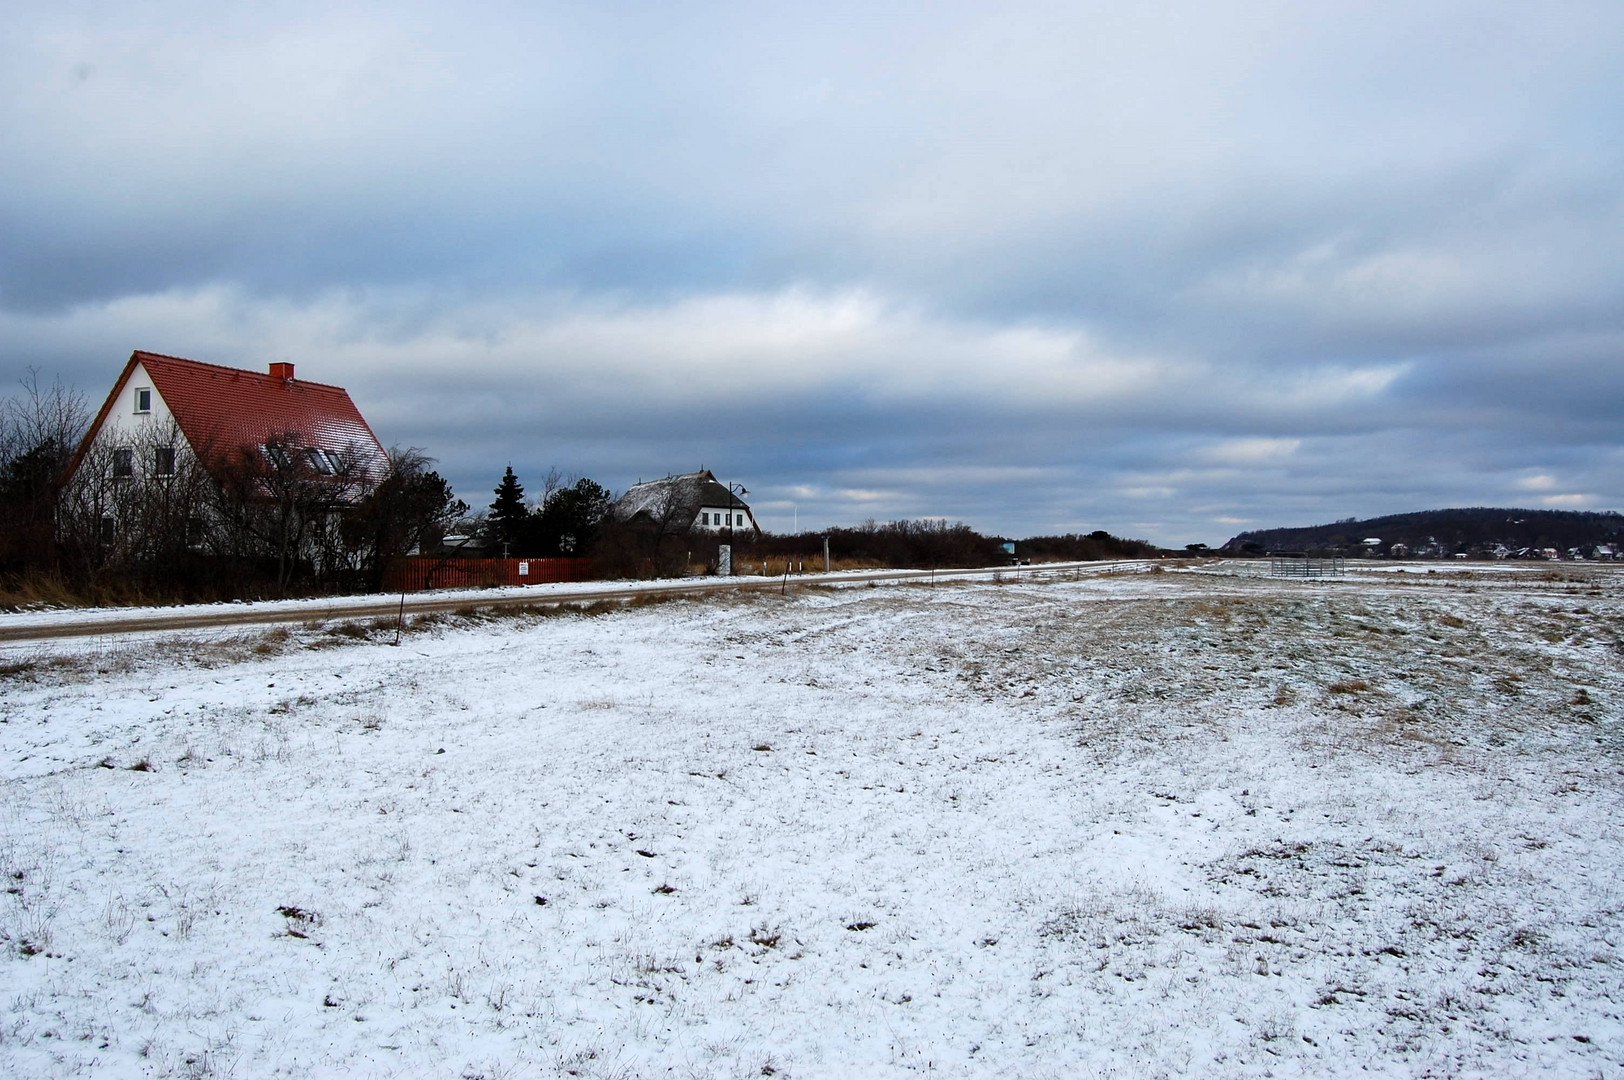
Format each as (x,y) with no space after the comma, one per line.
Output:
(282,371)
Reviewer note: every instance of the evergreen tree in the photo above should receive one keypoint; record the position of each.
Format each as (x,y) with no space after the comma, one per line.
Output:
(508,513)
(567,523)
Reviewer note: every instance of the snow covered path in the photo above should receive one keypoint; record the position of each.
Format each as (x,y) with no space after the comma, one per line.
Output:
(1144,825)
(44,624)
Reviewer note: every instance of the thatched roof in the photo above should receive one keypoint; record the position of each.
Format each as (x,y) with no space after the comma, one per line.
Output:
(675,501)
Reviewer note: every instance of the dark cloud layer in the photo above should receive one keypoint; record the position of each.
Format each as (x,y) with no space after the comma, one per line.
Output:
(1172,271)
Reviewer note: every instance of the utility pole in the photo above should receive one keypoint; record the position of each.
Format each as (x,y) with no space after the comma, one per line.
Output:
(742,490)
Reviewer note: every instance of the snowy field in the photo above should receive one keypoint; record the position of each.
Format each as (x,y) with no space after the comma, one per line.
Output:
(1190,823)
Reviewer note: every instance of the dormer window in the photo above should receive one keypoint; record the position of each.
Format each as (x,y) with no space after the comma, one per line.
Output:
(143,399)
(277,456)
(325,462)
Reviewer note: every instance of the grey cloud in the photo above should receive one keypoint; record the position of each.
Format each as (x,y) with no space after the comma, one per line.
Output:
(863,252)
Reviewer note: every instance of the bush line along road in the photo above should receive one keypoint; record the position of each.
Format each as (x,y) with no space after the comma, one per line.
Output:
(39,626)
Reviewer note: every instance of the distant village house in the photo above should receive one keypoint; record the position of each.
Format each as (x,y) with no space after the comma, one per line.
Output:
(691,502)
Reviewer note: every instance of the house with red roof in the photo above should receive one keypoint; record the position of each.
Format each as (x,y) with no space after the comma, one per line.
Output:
(278,456)
(220,414)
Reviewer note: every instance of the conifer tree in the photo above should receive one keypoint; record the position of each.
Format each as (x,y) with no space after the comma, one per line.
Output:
(508,512)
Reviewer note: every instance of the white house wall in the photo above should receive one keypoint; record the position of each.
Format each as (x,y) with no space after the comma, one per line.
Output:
(124,426)
(711,517)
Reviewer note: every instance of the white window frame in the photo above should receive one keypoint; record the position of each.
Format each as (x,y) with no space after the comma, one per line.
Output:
(143,400)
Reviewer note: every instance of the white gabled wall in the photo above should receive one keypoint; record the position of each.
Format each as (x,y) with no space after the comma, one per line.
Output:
(98,493)
(124,427)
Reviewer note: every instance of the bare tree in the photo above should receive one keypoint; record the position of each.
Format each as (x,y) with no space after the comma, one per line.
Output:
(131,515)
(553,481)
(39,430)
(285,499)
(656,542)
(146,508)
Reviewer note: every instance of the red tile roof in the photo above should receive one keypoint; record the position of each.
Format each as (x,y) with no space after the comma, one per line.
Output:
(221,409)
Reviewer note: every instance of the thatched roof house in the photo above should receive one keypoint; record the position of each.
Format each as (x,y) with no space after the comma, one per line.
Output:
(691,501)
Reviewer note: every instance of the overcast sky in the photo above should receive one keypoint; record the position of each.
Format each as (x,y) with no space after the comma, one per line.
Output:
(1173,270)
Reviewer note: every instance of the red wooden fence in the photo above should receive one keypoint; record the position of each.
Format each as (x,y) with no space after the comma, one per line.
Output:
(413,573)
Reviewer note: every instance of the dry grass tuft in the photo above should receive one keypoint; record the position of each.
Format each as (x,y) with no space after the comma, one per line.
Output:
(272,642)
(37,589)
(30,669)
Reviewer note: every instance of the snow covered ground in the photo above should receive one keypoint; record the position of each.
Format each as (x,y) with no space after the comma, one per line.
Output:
(1181,823)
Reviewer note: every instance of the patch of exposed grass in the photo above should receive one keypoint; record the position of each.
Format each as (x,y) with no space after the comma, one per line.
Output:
(31,669)
(272,642)
(301,923)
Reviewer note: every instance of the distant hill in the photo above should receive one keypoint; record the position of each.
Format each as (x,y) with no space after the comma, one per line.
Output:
(1475,529)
